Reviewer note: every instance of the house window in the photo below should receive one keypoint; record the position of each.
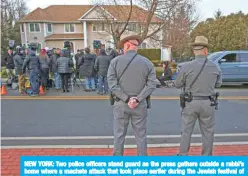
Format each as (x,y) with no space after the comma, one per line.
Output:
(34,27)
(49,28)
(230,58)
(131,27)
(243,57)
(143,45)
(69,27)
(99,27)
(22,27)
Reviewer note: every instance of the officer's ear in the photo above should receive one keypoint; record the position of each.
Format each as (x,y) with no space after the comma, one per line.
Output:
(205,50)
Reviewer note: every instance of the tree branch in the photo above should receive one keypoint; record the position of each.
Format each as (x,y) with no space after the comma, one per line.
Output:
(128,19)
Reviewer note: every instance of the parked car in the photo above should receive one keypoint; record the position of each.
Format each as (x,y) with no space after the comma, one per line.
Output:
(233,64)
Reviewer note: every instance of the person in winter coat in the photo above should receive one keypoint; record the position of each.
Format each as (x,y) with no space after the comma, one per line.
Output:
(166,74)
(113,54)
(77,56)
(45,63)
(64,65)
(32,62)
(10,66)
(86,69)
(101,66)
(54,70)
(18,60)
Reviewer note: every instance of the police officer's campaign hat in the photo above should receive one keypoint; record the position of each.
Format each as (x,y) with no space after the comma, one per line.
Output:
(201,41)
(130,37)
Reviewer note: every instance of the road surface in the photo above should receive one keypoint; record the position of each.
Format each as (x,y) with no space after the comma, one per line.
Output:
(61,121)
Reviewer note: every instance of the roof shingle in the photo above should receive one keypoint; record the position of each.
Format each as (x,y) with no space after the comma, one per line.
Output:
(77,36)
(69,13)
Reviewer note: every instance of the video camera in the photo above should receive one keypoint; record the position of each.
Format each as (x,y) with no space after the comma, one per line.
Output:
(11,44)
(68,46)
(33,46)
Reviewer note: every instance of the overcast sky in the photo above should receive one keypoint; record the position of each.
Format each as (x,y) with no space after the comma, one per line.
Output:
(206,8)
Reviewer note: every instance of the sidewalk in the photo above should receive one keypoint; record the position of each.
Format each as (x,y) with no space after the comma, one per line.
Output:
(11,157)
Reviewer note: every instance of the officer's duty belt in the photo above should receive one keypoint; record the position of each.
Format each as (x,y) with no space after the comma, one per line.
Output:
(200,98)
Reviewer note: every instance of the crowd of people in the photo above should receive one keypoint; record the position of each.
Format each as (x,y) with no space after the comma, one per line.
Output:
(59,64)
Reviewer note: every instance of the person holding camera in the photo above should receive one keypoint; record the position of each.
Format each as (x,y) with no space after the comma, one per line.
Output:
(131,79)
(198,79)
(64,64)
(32,62)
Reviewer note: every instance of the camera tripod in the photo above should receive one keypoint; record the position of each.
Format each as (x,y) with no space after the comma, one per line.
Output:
(74,80)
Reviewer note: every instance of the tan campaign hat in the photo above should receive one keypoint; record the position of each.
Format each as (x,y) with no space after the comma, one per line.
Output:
(201,41)
(132,36)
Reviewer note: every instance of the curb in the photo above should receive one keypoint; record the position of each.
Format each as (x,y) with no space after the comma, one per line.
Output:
(105,98)
(112,146)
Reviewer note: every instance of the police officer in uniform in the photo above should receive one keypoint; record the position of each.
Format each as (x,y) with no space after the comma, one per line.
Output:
(198,79)
(131,90)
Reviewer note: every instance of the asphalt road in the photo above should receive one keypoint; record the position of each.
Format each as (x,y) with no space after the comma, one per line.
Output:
(224,91)
(89,122)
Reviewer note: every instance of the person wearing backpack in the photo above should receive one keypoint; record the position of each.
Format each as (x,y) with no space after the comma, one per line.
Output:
(32,62)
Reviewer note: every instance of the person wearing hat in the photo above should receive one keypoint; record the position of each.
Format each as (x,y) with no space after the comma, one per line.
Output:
(131,79)
(198,79)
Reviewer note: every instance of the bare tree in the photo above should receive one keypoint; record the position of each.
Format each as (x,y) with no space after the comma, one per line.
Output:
(11,12)
(147,18)
(178,33)
(217,14)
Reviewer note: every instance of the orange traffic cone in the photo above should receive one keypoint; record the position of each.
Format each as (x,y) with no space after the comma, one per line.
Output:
(41,90)
(3,90)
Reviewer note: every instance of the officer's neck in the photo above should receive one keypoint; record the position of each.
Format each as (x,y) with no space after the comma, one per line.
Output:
(200,57)
(131,51)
